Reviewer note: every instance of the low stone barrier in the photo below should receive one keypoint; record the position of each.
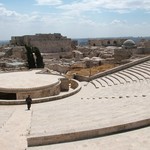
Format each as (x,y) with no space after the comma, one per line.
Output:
(74,84)
(81,135)
(46,99)
(64,86)
(113,70)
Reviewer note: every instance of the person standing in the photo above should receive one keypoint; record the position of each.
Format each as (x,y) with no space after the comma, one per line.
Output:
(28,102)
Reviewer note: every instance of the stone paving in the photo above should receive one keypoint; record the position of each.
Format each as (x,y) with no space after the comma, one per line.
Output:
(117,102)
(133,140)
(76,114)
(26,79)
(15,126)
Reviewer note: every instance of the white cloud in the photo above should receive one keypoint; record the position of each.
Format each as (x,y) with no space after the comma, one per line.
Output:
(5,12)
(118,22)
(115,5)
(82,6)
(73,20)
(48,2)
(13,16)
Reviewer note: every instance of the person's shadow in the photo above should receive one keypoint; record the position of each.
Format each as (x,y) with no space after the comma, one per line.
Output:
(27,109)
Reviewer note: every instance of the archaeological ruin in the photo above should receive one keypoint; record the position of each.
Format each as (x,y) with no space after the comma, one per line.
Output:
(106,42)
(53,48)
(47,43)
(31,83)
(85,97)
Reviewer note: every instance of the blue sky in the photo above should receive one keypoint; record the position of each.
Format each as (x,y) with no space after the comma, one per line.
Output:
(75,18)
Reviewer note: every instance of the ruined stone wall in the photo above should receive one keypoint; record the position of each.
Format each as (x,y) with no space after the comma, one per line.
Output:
(19,52)
(145,44)
(58,68)
(106,42)
(50,55)
(121,54)
(58,55)
(74,84)
(17,40)
(47,43)
(64,86)
(52,46)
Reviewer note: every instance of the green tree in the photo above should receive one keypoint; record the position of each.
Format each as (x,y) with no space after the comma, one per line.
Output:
(39,58)
(30,57)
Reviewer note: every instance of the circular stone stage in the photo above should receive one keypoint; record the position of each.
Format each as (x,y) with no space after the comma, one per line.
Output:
(18,85)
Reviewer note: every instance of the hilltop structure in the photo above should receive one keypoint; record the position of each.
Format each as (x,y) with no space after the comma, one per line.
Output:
(129,44)
(46,43)
(106,42)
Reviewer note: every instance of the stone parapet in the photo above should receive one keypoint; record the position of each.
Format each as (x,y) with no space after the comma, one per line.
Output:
(106,42)
(45,99)
(47,43)
(74,84)
(113,70)
(42,92)
(81,135)
(64,86)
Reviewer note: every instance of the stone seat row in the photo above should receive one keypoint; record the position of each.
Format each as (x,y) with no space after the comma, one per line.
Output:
(84,116)
(133,74)
(136,88)
(121,100)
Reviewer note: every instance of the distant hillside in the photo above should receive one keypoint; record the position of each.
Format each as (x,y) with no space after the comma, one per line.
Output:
(84,41)
(4,42)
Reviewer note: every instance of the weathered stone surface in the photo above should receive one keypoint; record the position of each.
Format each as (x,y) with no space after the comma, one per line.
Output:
(64,86)
(47,43)
(121,54)
(106,42)
(29,83)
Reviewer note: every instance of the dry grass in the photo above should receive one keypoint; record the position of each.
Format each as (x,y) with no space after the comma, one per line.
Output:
(90,71)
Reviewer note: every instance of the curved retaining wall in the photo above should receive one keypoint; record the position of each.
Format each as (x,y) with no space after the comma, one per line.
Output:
(113,70)
(45,99)
(53,89)
(81,135)
(74,84)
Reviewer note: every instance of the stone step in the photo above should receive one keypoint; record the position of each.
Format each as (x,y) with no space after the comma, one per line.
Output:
(92,118)
(118,141)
